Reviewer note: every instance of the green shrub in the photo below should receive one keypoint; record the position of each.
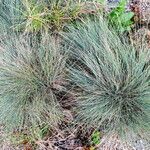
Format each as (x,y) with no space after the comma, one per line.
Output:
(95,138)
(114,80)
(29,77)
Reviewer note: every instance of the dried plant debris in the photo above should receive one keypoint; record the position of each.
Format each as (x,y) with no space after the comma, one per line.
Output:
(141,8)
(141,37)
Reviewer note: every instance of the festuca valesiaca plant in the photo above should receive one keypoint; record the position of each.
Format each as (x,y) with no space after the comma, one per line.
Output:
(113,78)
(30,73)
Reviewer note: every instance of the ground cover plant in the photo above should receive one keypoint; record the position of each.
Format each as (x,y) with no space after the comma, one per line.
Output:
(120,18)
(31,16)
(28,75)
(114,81)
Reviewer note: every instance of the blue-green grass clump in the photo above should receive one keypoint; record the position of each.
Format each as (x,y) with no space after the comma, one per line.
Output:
(29,74)
(114,80)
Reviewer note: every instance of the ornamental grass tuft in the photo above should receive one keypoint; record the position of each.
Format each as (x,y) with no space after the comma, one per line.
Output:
(113,79)
(30,74)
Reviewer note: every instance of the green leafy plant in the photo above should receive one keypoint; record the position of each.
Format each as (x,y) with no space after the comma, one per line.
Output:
(113,79)
(121,19)
(95,138)
(30,77)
